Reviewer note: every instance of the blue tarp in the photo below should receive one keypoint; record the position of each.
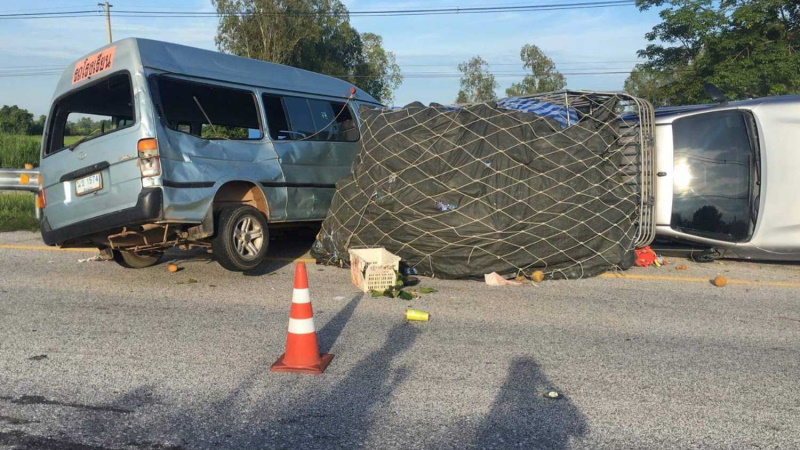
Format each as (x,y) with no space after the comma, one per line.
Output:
(561,114)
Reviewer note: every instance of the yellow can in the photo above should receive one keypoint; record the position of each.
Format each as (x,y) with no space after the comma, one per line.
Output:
(415,314)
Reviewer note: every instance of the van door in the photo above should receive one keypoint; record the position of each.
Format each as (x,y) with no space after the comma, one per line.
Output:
(89,157)
(316,141)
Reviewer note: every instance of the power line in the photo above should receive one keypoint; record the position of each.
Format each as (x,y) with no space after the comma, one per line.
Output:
(407,75)
(365,13)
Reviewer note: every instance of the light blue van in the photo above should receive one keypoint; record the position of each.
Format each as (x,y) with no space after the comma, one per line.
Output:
(197,149)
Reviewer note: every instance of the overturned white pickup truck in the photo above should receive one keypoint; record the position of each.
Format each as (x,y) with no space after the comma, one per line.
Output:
(728,177)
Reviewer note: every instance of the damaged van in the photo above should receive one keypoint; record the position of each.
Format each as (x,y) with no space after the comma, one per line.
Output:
(727,178)
(192,148)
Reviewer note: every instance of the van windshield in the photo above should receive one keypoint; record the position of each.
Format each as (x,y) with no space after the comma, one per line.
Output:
(715,161)
(95,110)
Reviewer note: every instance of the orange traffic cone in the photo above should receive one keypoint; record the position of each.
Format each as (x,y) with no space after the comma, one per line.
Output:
(302,351)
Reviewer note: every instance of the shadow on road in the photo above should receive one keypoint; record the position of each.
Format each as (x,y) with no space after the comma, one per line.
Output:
(285,246)
(333,328)
(521,417)
(349,409)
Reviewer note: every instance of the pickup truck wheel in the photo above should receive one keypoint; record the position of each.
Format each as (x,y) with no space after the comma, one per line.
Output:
(133,260)
(241,239)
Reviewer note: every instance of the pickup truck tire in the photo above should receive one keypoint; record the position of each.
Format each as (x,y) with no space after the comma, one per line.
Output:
(242,238)
(137,260)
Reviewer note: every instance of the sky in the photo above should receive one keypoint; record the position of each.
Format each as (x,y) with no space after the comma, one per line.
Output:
(428,48)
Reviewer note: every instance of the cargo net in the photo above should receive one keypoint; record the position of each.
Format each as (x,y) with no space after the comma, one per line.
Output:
(550,182)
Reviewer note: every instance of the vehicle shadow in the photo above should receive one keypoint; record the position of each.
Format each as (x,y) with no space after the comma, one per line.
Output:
(522,417)
(285,246)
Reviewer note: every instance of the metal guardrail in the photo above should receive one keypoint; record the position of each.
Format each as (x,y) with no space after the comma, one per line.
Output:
(19,180)
(26,180)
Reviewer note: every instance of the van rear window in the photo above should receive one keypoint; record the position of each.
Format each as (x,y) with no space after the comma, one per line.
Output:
(208,111)
(98,109)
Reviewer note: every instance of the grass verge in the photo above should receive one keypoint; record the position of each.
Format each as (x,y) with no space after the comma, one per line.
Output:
(17,150)
(16,212)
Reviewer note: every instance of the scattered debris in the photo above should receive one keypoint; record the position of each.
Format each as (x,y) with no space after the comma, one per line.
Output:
(720,281)
(172,268)
(681,267)
(191,280)
(495,279)
(374,269)
(91,259)
(38,357)
(339,297)
(417,315)
(537,276)
(553,395)
(645,256)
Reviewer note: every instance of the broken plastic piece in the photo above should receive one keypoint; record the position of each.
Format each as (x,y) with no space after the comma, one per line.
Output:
(494,279)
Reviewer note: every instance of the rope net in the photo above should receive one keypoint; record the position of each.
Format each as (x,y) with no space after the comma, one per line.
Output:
(460,192)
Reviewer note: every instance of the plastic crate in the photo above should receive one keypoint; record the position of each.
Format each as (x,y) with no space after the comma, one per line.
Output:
(373,268)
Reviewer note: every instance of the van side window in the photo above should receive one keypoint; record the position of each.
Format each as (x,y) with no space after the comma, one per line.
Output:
(208,111)
(300,117)
(345,128)
(277,122)
(100,108)
(297,118)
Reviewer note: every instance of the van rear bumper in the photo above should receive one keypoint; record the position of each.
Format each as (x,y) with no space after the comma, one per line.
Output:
(148,208)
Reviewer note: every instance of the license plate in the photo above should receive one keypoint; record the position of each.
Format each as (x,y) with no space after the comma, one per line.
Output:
(86,185)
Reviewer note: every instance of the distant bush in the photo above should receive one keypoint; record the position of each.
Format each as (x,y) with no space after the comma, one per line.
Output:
(16,150)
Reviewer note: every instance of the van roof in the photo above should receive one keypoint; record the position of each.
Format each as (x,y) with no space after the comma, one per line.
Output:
(196,62)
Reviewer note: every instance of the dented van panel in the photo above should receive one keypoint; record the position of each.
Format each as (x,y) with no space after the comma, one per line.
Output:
(198,131)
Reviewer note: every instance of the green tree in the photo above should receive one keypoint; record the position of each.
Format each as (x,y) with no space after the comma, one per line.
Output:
(378,69)
(544,76)
(38,125)
(745,47)
(477,83)
(314,35)
(15,120)
(648,84)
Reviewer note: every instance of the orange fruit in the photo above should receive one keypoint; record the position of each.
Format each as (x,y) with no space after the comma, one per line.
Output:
(172,268)
(537,276)
(720,281)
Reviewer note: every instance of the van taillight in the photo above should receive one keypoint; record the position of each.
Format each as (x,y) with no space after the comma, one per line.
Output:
(149,163)
(40,198)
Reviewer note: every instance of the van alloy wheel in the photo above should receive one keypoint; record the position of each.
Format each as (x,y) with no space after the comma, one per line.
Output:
(248,237)
(241,237)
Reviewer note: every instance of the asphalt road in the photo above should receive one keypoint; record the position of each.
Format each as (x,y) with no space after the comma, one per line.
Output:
(94,356)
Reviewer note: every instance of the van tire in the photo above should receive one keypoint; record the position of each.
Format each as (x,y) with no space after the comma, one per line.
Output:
(132,260)
(242,238)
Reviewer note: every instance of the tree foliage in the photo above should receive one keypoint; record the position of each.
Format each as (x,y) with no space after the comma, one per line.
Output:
(648,84)
(314,35)
(477,83)
(748,48)
(544,76)
(15,120)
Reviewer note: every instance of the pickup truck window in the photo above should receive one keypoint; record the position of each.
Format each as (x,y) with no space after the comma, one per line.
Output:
(714,163)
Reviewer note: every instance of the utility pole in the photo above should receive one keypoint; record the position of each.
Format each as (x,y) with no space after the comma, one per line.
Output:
(108,18)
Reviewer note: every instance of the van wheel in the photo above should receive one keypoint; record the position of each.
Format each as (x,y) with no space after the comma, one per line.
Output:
(133,260)
(242,238)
